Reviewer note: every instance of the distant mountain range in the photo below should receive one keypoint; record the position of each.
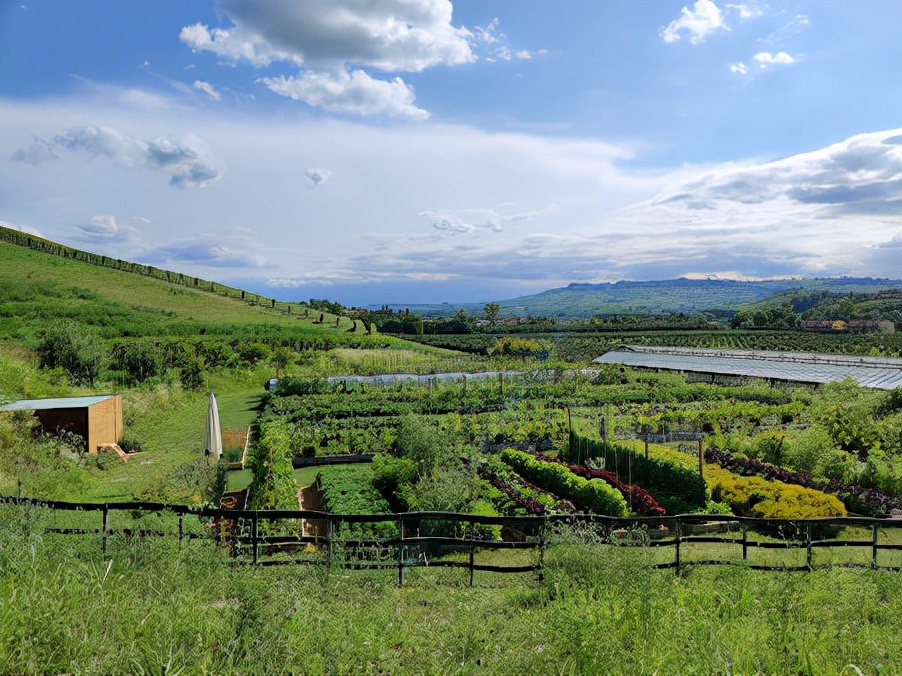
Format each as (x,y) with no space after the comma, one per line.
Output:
(656,297)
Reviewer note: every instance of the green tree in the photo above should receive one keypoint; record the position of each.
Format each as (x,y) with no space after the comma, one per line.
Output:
(279,360)
(73,348)
(491,311)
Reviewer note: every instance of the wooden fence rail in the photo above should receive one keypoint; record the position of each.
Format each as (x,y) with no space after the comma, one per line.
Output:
(448,539)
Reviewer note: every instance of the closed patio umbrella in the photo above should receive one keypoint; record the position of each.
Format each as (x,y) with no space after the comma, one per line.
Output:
(213,438)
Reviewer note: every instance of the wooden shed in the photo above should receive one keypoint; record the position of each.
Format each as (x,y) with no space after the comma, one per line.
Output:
(97,419)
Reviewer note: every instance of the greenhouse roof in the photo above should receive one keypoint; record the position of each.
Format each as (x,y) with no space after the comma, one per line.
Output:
(882,373)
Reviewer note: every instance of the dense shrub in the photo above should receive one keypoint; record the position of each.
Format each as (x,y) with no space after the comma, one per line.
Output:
(857,498)
(73,348)
(594,496)
(757,497)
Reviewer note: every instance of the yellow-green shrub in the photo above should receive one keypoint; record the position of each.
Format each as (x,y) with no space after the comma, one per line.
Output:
(757,497)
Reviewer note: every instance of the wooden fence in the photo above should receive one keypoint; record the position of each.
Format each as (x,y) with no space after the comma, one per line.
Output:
(446,539)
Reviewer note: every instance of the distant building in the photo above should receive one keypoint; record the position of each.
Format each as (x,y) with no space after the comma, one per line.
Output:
(97,419)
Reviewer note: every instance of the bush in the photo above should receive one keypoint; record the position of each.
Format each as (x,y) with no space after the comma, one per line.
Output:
(129,444)
(594,496)
(757,497)
(69,346)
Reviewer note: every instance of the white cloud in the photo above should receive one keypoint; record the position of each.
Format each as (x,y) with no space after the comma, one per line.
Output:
(332,41)
(234,45)
(739,68)
(189,163)
(103,230)
(472,220)
(503,52)
(746,12)
(487,34)
(500,212)
(207,89)
(697,22)
(765,59)
(355,93)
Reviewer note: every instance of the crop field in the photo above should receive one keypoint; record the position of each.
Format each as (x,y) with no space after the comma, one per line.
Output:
(552,437)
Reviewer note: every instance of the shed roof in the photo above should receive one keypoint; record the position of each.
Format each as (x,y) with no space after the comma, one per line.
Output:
(883,373)
(54,402)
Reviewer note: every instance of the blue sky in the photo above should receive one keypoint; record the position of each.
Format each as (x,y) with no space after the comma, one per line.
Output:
(414,151)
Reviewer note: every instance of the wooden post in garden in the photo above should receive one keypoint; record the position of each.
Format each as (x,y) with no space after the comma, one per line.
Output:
(254,535)
(874,546)
(106,514)
(701,460)
(401,553)
(646,441)
(808,545)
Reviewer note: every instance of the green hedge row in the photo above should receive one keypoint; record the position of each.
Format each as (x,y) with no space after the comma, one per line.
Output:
(594,496)
(679,490)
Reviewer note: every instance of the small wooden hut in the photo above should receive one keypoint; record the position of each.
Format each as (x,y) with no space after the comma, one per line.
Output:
(97,419)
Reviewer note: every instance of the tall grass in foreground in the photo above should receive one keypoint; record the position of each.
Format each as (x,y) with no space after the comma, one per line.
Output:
(152,607)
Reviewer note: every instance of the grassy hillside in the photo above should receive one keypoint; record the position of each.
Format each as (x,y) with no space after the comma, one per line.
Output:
(37,287)
(163,345)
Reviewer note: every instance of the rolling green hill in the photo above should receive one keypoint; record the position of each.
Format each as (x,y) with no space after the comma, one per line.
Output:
(657,297)
(37,287)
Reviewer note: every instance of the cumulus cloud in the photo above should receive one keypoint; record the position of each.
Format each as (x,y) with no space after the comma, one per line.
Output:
(765,59)
(739,68)
(356,93)
(697,22)
(207,89)
(189,163)
(317,177)
(333,41)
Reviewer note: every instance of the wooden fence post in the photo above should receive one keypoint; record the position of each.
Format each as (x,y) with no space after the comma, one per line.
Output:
(401,547)
(330,532)
(542,552)
(874,546)
(181,528)
(808,545)
(254,533)
(472,562)
(745,541)
(678,537)
(701,461)
(104,529)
